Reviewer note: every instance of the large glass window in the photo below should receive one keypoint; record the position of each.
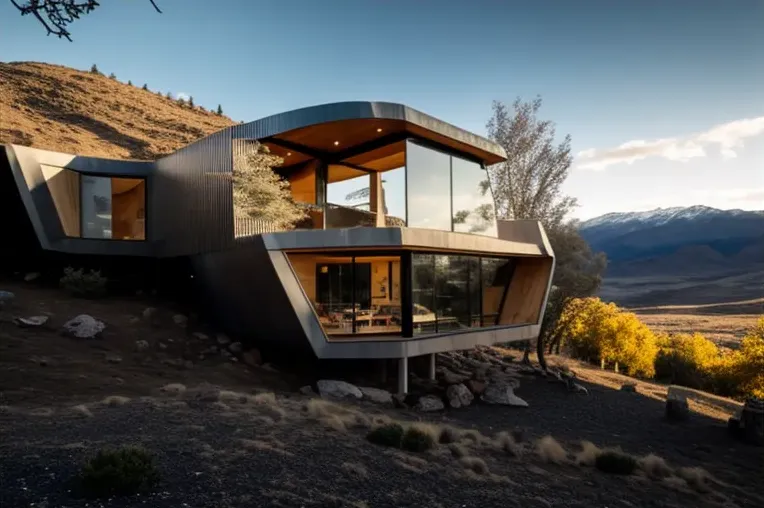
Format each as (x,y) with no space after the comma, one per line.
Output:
(348,198)
(496,275)
(352,295)
(472,200)
(113,208)
(394,196)
(429,188)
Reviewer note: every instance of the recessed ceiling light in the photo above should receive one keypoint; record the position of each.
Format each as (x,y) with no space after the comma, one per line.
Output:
(336,143)
(289,153)
(379,129)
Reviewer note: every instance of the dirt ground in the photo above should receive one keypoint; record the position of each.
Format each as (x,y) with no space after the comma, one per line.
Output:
(218,445)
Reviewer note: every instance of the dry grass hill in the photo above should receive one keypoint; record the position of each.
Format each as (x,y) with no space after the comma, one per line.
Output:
(67,110)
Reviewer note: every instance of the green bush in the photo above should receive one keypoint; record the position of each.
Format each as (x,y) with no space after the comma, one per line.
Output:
(417,440)
(121,472)
(616,462)
(387,435)
(83,285)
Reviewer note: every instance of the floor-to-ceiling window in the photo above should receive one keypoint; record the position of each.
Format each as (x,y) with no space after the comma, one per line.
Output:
(113,207)
(472,201)
(352,294)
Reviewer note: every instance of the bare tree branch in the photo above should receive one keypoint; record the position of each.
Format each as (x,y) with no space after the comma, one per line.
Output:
(56,15)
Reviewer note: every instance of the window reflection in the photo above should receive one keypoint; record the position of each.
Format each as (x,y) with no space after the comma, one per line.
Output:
(360,295)
(113,208)
(472,200)
(429,188)
(348,198)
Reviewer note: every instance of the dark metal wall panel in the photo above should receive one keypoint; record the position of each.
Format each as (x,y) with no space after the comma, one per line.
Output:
(242,287)
(192,197)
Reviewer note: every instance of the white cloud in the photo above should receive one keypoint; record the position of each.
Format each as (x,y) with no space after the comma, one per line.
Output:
(183,95)
(728,138)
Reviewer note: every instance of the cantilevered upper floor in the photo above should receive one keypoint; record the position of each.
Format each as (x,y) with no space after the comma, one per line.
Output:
(348,164)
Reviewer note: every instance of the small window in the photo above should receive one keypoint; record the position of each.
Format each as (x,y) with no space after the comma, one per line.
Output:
(113,208)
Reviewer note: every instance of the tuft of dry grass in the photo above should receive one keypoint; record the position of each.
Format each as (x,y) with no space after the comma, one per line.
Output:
(449,434)
(588,454)
(203,392)
(270,446)
(696,477)
(115,400)
(41,411)
(173,389)
(655,467)
(474,464)
(506,443)
(458,450)
(82,410)
(336,416)
(410,462)
(549,450)
(356,469)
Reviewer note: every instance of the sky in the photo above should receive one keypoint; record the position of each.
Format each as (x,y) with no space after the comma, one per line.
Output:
(664,101)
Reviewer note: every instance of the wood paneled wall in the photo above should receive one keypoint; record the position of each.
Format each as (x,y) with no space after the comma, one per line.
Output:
(64,187)
(128,210)
(526,291)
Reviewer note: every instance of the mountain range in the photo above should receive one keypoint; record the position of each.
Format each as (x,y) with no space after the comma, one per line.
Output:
(678,241)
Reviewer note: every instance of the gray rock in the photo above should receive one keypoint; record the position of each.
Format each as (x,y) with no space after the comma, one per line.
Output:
(201,336)
(162,345)
(338,389)
(141,345)
(114,359)
(459,396)
(429,403)
(677,408)
(376,395)
(149,312)
(235,348)
(307,390)
(501,393)
(180,320)
(31,276)
(451,378)
(223,339)
(84,326)
(32,321)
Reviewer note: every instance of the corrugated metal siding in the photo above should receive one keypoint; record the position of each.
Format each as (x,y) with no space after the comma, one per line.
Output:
(192,197)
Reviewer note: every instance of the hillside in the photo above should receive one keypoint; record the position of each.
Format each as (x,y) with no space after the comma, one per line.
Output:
(67,110)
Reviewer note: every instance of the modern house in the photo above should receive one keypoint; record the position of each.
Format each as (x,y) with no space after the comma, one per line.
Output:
(399,255)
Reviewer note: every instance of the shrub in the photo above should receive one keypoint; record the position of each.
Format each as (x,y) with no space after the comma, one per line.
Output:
(387,435)
(416,439)
(83,285)
(474,464)
(112,76)
(550,450)
(449,434)
(121,472)
(145,87)
(94,69)
(615,462)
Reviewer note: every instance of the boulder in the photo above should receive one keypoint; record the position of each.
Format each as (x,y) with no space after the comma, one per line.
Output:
(252,358)
(200,336)
(114,359)
(31,321)
(475,386)
(451,378)
(459,396)
(31,276)
(149,312)
(338,389)
(223,339)
(180,320)
(502,393)
(376,395)
(84,326)
(141,345)
(235,348)
(430,403)
(307,390)
(677,408)
(629,387)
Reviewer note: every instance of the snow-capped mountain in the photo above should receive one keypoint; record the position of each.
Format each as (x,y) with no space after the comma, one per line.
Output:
(735,236)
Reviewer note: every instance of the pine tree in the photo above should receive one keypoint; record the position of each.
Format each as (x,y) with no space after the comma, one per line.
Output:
(220,110)
(94,69)
(169,95)
(112,76)
(130,83)
(145,87)
(191,102)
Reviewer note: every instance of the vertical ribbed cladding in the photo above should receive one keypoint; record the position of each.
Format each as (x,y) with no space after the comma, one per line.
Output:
(192,198)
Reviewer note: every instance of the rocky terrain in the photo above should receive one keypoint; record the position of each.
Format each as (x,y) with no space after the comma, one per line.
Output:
(68,110)
(230,430)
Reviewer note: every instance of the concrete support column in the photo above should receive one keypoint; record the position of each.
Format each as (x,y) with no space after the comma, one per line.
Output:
(403,375)
(376,201)
(431,368)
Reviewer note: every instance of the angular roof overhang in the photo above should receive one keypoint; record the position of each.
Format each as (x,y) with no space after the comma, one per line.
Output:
(361,133)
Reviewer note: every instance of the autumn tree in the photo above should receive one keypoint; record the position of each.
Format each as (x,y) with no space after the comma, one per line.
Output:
(258,191)
(528,185)
(56,15)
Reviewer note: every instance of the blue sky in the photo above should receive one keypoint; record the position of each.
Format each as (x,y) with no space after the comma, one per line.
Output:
(653,93)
